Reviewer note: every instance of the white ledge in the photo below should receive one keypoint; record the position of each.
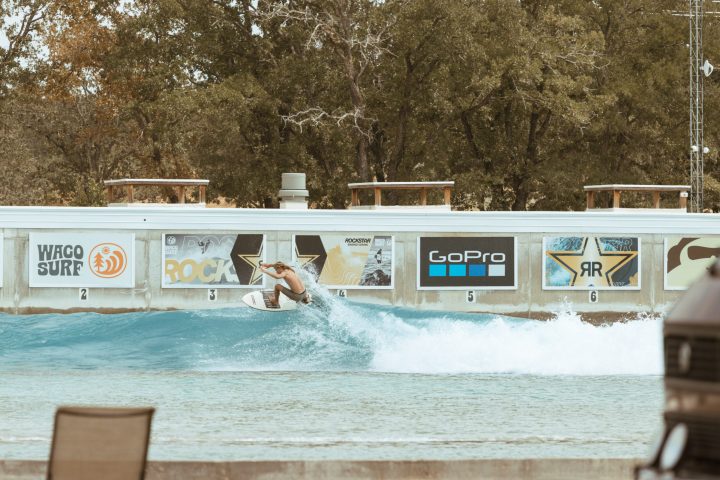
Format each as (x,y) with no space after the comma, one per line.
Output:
(142,217)
(401,184)
(156,181)
(636,188)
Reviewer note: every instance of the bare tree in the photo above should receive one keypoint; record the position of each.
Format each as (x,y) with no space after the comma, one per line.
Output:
(19,21)
(357,39)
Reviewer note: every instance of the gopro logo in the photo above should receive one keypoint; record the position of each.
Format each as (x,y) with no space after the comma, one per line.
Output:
(469,263)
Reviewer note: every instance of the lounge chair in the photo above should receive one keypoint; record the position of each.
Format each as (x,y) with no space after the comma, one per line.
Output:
(91,443)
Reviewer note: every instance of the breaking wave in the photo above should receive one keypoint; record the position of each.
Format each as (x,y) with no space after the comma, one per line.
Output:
(333,335)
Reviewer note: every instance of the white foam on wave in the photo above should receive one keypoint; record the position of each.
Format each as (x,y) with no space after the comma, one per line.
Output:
(335,334)
(564,345)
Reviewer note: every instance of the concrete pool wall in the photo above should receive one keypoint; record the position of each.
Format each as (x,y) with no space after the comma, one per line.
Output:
(529,296)
(490,469)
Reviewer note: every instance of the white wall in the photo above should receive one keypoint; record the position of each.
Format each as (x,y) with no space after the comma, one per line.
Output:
(148,224)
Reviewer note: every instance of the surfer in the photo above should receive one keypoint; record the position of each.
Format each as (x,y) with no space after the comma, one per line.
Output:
(297,290)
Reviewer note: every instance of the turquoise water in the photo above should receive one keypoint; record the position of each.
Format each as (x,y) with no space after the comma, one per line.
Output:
(339,381)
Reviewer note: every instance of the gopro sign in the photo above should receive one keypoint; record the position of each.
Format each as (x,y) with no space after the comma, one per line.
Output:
(466,262)
(472,263)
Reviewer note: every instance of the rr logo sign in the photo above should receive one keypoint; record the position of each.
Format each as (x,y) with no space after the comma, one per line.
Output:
(591,263)
(591,269)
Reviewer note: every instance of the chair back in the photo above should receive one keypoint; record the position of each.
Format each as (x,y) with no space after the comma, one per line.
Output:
(92,443)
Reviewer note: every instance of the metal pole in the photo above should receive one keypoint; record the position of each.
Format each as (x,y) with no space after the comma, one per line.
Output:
(696,106)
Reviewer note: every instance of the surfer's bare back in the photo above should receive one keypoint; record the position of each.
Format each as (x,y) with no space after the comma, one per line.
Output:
(297,290)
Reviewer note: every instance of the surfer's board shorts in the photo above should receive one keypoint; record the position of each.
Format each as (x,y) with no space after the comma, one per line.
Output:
(298,297)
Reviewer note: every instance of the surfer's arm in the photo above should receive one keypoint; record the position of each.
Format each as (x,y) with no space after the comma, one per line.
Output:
(272,274)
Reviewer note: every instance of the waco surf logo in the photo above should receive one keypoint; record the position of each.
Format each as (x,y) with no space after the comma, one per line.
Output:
(107,260)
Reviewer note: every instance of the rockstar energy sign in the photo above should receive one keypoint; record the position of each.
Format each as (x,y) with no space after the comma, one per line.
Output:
(687,259)
(216,260)
(96,260)
(358,261)
(591,263)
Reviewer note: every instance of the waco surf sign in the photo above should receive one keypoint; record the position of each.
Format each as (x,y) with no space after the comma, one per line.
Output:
(96,260)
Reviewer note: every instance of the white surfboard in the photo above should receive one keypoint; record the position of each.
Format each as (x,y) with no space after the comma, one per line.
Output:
(260,300)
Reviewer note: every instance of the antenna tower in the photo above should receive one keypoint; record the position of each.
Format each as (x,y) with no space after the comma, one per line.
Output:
(696,106)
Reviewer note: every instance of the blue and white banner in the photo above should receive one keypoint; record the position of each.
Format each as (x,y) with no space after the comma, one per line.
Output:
(467,263)
(591,263)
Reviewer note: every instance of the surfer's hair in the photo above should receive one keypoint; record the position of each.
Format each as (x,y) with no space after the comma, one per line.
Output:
(277,265)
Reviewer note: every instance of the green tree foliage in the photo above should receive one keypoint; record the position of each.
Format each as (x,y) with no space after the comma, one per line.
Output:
(521,103)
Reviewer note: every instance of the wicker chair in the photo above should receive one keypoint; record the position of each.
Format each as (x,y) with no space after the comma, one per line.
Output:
(91,443)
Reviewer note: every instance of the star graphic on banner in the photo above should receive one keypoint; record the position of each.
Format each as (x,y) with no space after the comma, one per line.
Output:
(303,260)
(609,261)
(254,261)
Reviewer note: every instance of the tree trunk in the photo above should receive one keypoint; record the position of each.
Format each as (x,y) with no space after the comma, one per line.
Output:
(399,153)
(521,194)
(377,148)
(361,160)
(357,98)
(358,101)
(403,118)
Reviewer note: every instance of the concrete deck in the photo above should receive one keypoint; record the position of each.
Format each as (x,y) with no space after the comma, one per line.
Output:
(527,469)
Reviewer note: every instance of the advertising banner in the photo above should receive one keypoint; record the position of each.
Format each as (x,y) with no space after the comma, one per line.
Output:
(2,248)
(591,263)
(467,263)
(347,261)
(94,260)
(687,259)
(192,260)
